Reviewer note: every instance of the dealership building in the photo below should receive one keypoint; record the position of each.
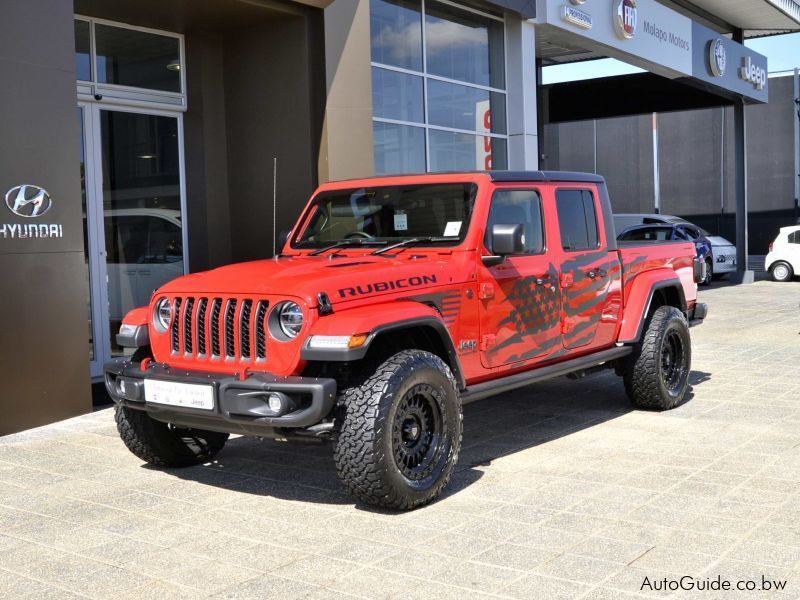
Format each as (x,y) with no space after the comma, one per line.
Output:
(145,139)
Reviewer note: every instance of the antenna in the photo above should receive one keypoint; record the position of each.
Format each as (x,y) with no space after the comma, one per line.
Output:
(274,203)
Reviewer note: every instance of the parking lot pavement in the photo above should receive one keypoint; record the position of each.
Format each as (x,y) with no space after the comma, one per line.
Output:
(562,491)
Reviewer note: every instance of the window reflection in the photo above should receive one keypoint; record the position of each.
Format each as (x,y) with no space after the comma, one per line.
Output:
(462,107)
(137,59)
(396,33)
(452,151)
(83,59)
(397,95)
(465,46)
(398,148)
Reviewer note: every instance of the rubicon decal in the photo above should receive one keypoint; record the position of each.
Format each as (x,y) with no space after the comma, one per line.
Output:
(385,286)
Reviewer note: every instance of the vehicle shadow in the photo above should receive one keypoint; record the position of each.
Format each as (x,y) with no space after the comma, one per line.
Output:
(493,428)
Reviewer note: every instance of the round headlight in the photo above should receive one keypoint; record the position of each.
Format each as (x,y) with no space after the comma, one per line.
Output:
(162,315)
(290,319)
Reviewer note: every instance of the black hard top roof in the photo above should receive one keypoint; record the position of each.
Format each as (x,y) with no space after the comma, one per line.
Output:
(507,176)
(545,176)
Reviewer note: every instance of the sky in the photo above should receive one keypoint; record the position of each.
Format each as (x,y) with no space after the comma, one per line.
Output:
(782,51)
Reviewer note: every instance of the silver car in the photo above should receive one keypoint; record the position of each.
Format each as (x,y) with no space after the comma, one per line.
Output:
(722,251)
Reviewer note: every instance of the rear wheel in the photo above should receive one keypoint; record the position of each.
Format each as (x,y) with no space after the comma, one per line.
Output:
(656,374)
(398,433)
(781,271)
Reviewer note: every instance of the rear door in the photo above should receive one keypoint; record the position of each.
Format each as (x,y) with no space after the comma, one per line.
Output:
(589,272)
(520,301)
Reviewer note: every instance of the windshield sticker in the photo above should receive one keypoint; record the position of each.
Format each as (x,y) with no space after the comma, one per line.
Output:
(453,228)
(400,221)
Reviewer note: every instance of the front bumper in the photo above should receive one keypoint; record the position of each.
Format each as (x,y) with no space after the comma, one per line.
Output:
(240,405)
(698,314)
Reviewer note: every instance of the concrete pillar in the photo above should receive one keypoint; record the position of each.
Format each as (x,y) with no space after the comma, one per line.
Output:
(521,70)
(346,145)
(743,275)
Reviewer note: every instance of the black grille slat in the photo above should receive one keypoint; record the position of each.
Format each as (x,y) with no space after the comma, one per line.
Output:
(261,334)
(188,342)
(230,345)
(216,308)
(174,327)
(244,330)
(202,305)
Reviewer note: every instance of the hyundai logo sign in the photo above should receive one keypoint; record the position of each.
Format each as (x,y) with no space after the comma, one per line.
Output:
(626,17)
(717,57)
(28,201)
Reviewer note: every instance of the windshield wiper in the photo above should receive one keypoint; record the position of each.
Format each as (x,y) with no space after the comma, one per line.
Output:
(410,241)
(343,243)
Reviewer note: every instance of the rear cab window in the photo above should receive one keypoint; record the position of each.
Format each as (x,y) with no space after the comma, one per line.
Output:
(577,220)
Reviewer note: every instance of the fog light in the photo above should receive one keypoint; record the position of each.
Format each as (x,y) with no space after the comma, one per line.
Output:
(122,387)
(276,403)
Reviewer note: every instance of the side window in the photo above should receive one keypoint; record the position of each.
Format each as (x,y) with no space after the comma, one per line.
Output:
(794,237)
(510,207)
(577,220)
(683,234)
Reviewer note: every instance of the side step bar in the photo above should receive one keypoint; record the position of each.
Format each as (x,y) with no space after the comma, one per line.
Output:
(479,391)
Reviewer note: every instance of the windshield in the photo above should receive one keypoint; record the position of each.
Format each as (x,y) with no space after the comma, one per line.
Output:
(390,214)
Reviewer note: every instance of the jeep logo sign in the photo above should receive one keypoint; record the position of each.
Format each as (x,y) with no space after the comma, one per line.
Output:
(626,18)
(752,73)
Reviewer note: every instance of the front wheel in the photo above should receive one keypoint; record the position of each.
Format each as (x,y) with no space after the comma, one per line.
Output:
(656,374)
(398,433)
(781,271)
(163,444)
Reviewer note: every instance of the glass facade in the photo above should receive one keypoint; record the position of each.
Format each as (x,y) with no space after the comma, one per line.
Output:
(438,87)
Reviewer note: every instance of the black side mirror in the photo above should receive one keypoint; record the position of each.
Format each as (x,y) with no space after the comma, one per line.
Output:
(506,240)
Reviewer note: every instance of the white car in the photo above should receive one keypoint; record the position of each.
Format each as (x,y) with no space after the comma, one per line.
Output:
(783,260)
(722,251)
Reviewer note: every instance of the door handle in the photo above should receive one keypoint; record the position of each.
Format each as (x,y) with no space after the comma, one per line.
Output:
(595,273)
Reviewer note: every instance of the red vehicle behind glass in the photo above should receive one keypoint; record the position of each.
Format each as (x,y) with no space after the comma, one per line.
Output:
(395,301)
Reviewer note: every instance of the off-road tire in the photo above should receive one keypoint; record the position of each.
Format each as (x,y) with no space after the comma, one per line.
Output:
(165,445)
(781,271)
(373,430)
(709,272)
(645,372)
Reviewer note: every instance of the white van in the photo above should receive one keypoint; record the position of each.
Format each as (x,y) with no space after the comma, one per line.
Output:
(783,260)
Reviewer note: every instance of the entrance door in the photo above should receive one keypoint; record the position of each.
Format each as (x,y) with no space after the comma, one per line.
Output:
(133,197)
(520,299)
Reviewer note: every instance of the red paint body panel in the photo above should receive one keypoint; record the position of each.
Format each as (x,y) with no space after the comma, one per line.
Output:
(137,316)
(524,312)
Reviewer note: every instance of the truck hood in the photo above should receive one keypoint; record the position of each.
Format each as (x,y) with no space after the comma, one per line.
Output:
(345,278)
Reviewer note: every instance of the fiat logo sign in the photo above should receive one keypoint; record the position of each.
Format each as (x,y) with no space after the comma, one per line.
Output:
(626,18)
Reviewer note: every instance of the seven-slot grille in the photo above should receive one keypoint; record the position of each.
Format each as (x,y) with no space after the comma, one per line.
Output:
(219,328)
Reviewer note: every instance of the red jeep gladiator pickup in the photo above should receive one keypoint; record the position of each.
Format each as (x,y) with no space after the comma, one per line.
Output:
(395,301)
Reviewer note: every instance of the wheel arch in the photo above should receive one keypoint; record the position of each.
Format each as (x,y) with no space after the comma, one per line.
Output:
(646,295)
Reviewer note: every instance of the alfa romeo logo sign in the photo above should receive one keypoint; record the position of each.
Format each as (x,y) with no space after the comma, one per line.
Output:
(717,57)
(626,18)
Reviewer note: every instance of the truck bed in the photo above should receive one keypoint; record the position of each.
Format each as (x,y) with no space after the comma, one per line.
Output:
(638,257)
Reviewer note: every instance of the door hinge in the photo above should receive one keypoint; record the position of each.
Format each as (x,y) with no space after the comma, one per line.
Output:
(487,341)
(567,325)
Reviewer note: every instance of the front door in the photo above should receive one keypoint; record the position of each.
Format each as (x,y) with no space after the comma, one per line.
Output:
(520,301)
(132,192)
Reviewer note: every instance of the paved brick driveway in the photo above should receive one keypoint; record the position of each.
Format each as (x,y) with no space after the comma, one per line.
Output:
(562,491)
